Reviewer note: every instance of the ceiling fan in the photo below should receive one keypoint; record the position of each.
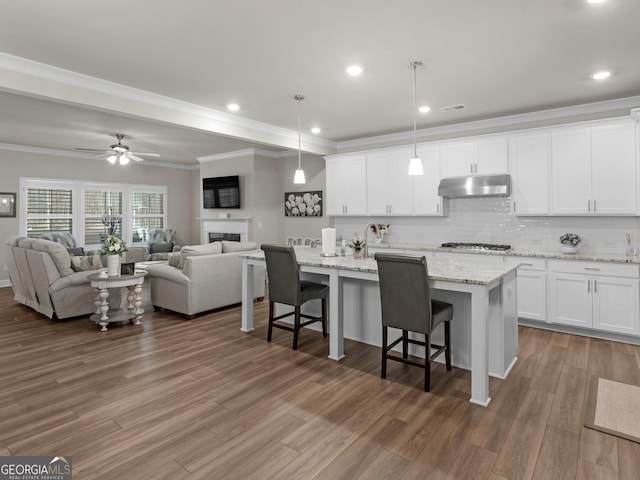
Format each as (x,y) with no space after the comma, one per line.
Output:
(119,152)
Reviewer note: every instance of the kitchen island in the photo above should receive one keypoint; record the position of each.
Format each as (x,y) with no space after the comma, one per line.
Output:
(484,329)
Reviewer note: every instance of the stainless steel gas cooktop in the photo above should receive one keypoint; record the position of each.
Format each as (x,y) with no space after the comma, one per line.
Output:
(477,246)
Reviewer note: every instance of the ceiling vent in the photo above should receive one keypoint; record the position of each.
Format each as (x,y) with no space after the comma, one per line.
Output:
(452,108)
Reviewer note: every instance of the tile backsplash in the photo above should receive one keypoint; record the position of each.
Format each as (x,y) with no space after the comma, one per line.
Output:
(490,220)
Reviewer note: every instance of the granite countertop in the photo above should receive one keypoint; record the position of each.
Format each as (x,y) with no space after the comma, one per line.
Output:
(439,268)
(514,252)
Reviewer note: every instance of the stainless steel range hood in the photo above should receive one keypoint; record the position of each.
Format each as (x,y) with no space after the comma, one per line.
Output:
(475,186)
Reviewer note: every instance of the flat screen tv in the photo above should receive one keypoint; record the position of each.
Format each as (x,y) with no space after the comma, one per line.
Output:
(221,192)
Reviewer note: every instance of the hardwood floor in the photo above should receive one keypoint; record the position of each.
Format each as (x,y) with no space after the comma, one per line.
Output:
(177,399)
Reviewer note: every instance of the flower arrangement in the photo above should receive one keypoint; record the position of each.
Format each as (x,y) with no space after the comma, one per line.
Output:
(380,228)
(113,246)
(571,239)
(357,243)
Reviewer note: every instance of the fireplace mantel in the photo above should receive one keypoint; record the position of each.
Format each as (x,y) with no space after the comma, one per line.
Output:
(225,225)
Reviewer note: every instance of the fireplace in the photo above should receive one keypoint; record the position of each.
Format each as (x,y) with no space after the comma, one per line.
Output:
(216,237)
(225,229)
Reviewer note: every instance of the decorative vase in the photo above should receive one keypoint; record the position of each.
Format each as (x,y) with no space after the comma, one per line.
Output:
(379,237)
(113,265)
(569,248)
(358,254)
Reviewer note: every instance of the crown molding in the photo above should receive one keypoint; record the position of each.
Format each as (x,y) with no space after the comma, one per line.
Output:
(27,77)
(70,154)
(558,114)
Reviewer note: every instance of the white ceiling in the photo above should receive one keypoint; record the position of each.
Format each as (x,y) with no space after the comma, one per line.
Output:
(162,72)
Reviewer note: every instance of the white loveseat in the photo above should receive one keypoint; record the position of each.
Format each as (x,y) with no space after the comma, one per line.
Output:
(202,277)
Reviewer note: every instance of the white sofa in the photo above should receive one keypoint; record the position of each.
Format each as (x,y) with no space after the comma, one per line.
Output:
(42,278)
(202,277)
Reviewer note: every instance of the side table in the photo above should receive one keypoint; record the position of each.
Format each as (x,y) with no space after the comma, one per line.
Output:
(103,283)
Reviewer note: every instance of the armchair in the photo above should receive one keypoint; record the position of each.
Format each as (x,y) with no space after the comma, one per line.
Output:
(162,241)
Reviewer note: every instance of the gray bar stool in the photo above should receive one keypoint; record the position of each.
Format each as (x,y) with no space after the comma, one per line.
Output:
(405,297)
(286,287)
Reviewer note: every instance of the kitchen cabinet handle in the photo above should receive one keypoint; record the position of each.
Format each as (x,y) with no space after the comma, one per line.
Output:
(594,206)
(592,269)
(437,208)
(595,286)
(476,168)
(514,205)
(588,285)
(471,168)
(589,206)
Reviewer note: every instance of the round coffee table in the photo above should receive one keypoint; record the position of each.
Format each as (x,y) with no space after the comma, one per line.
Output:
(103,283)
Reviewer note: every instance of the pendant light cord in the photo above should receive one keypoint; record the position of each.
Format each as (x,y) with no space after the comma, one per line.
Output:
(415,147)
(299,98)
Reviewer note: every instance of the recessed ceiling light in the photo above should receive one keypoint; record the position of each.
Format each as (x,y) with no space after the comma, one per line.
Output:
(424,109)
(354,70)
(601,75)
(596,1)
(233,107)
(316,130)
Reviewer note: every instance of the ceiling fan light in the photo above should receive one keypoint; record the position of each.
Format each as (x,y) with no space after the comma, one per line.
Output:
(415,166)
(112,159)
(299,176)
(123,159)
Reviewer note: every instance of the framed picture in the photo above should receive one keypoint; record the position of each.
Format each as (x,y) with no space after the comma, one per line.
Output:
(127,268)
(303,204)
(7,204)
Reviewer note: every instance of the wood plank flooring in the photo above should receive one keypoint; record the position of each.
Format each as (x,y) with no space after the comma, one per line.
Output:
(178,399)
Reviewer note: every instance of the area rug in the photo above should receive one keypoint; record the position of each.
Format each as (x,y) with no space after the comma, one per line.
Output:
(614,408)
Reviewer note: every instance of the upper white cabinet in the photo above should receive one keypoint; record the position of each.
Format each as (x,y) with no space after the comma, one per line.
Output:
(594,170)
(346,180)
(475,157)
(529,165)
(426,200)
(389,187)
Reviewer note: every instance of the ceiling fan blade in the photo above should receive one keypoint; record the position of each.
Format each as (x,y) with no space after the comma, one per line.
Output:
(133,157)
(94,150)
(146,154)
(104,154)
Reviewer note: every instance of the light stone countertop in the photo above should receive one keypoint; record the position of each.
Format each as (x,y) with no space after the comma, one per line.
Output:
(556,255)
(439,268)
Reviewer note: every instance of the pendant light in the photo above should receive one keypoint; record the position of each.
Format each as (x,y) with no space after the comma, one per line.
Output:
(299,175)
(415,164)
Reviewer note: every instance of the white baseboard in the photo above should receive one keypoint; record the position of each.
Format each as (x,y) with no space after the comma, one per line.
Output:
(5,283)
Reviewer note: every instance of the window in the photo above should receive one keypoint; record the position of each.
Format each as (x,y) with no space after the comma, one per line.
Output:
(102,208)
(49,208)
(147,213)
(83,209)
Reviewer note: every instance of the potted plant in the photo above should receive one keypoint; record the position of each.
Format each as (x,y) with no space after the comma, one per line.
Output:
(570,242)
(113,247)
(357,244)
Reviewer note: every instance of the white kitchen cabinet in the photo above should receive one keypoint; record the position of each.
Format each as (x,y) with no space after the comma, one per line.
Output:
(426,200)
(614,169)
(476,157)
(346,185)
(532,287)
(601,296)
(389,186)
(529,164)
(594,170)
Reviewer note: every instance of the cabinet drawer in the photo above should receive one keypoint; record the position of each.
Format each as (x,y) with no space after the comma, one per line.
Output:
(527,263)
(595,268)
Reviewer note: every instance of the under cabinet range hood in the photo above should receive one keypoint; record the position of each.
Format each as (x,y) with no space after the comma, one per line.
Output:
(475,186)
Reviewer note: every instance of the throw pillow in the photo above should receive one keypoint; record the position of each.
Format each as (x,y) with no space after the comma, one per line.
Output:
(213,248)
(174,259)
(229,247)
(164,247)
(77,251)
(87,262)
